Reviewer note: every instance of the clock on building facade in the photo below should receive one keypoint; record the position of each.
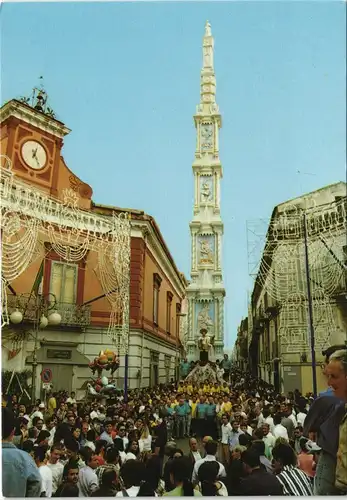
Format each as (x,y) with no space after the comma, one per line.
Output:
(34,154)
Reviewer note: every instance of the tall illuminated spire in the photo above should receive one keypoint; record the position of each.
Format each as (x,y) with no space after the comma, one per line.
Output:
(206,291)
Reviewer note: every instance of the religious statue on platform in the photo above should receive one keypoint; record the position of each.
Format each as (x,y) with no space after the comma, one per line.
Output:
(206,253)
(204,344)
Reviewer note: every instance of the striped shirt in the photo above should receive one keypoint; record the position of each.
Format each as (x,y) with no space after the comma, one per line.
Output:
(295,482)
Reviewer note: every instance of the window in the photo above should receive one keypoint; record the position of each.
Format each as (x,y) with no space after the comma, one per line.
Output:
(156,287)
(169,297)
(178,312)
(64,282)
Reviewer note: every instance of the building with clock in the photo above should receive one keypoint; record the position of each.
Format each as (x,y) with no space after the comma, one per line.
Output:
(35,174)
(206,292)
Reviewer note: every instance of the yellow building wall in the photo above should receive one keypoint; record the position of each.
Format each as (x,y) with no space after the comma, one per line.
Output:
(306,379)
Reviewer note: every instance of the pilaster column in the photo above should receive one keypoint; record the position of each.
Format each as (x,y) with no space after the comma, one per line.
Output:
(216,135)
(191,320)
(221,318)
(194,266)
(219,239)
(196,189)
(215,190)
(218,190)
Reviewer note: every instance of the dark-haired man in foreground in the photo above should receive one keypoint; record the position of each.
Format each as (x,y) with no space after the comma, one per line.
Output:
(258,481)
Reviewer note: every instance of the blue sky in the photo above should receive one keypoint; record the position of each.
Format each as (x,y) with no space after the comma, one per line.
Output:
(125,78)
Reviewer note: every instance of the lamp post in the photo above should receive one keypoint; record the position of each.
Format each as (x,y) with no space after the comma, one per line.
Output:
(45,305)
(310,309)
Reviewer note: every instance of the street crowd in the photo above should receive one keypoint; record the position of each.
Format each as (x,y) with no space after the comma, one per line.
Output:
(239,437)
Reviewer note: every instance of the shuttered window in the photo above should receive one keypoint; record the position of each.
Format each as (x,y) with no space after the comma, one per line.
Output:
(64,282)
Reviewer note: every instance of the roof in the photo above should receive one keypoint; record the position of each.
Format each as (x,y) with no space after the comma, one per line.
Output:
(118,209)
(306,195)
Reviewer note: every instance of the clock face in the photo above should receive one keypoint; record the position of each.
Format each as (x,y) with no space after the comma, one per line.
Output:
(206,135)
(34,155)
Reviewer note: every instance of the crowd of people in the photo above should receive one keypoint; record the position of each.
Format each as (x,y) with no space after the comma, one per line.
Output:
(232,438)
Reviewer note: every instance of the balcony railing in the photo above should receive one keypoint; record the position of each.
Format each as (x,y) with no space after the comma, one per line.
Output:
(72,315)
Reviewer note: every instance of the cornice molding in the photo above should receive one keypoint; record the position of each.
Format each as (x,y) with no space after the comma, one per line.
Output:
(33,117)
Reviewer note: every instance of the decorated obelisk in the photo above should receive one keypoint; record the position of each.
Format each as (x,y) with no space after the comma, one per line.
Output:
(206,291)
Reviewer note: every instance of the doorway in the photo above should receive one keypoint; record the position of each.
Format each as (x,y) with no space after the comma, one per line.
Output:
(291,378)
(154,380)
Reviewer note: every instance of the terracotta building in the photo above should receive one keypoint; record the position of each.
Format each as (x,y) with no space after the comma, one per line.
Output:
(40,197)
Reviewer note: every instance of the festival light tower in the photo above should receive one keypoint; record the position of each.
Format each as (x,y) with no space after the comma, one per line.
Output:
(206,291)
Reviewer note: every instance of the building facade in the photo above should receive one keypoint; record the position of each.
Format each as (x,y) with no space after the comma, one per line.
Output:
(206,291)
(305,245)
(106,271)
(241,346)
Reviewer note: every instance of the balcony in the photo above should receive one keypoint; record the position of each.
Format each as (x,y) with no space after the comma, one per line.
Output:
(72,315)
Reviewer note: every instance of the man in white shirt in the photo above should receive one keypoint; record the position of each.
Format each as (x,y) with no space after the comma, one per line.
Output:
(268,438)
(247,429)
(56,467)
(94,413)
(279,429)
(98,413)
(300,417)
(291,415)
(259,417)
(268,419)
(87,479)
(72,399)
(44,470)
(235,434)
(211,451)
(194,452)
(226,437)
(37,413)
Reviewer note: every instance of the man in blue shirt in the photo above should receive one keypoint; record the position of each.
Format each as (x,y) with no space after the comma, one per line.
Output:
(188,415)
(211,419)
(201,417)
(181,418)
(20,476)
(184,368)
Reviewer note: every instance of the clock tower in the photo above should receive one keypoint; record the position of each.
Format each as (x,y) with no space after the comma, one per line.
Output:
(32,138)
(206,291)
